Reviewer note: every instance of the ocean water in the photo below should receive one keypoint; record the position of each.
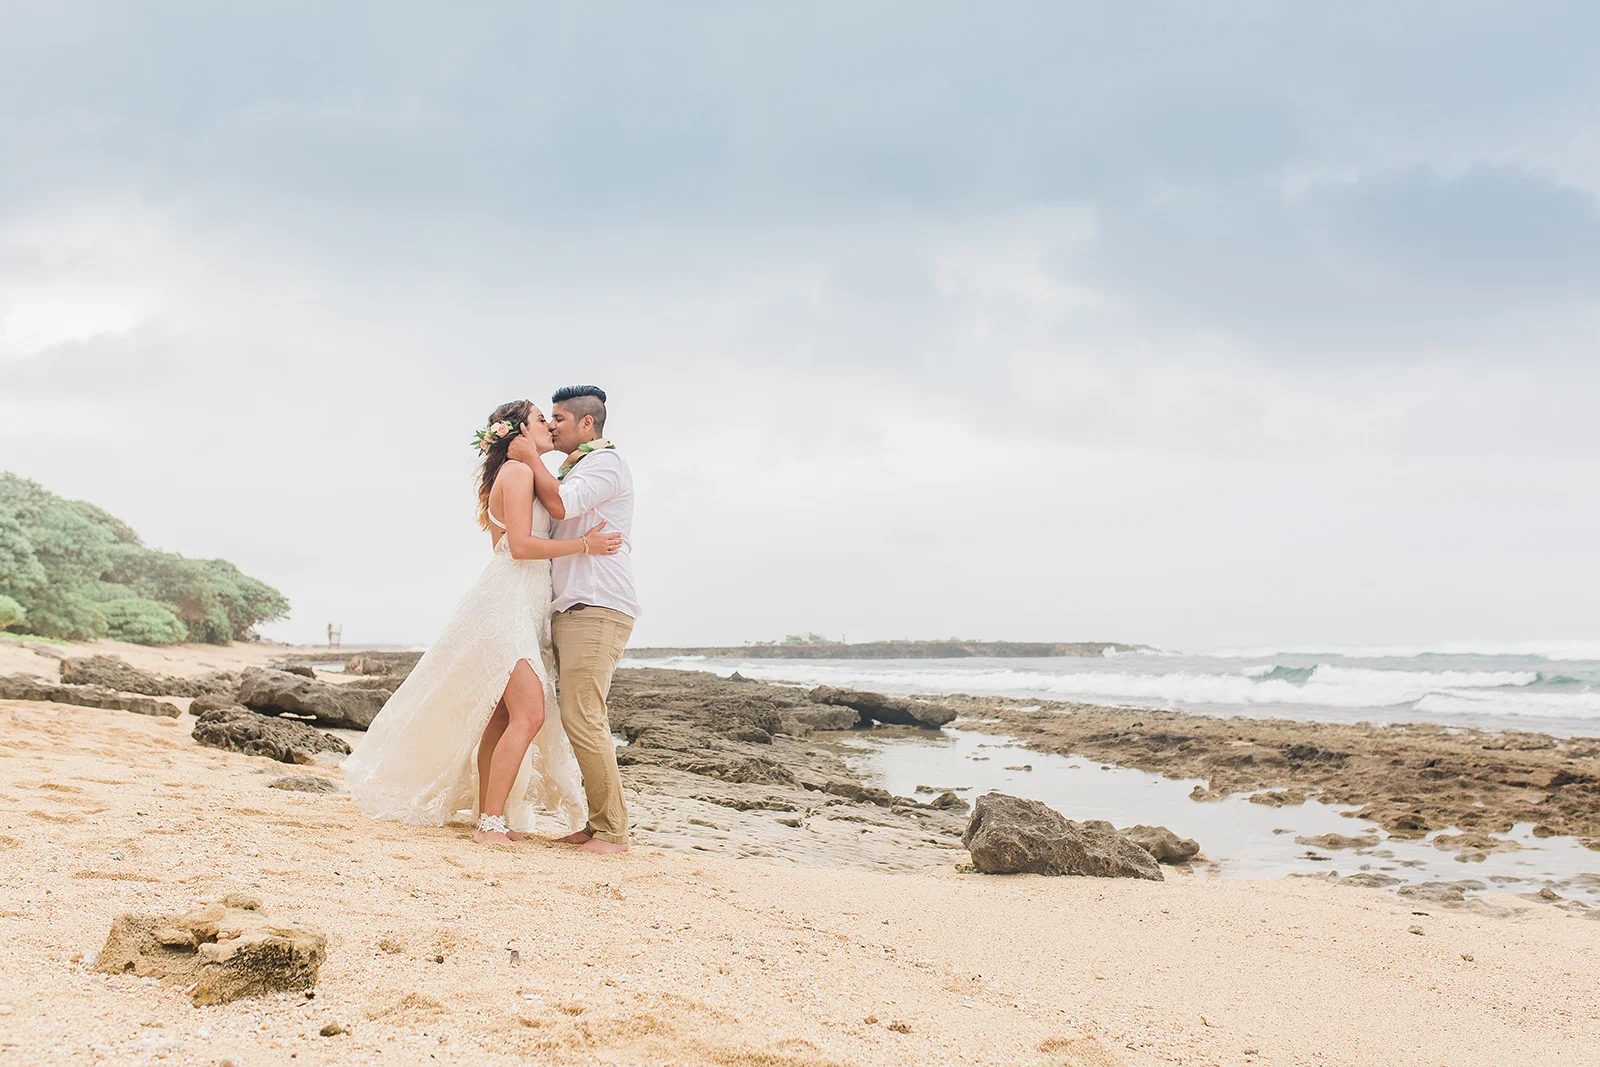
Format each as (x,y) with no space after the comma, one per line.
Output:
(1550,688)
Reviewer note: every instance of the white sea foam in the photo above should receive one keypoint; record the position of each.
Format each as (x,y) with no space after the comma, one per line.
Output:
(1338,687)
(1527,705)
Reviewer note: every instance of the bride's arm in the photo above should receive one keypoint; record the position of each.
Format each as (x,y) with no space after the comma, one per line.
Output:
(517,495)
(547,487)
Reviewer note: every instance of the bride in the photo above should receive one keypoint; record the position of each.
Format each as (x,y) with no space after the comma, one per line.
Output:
(468,728)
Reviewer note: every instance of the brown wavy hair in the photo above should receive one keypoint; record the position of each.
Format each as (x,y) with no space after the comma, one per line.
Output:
(515,413)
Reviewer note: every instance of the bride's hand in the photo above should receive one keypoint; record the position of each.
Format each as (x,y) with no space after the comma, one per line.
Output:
(600,543)
(523,449)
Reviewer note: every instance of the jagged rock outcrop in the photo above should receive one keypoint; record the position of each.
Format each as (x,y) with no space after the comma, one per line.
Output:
(114,672)
(1011,835)
(1331,842)
(825,716)
(1163,844)
(948,801)
(1368,880)
(226,951)
(305,783)
(239,729)
(894,711)
(740,744)
(1442,892)
(396,663)
(327,705)
(27,687)
(211,702)
(726,758)
(386,682)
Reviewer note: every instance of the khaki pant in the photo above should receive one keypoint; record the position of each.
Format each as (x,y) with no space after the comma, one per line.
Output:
(589,642)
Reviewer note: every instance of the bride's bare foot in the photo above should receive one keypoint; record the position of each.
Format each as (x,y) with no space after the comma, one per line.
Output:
(603,848)
(582,837)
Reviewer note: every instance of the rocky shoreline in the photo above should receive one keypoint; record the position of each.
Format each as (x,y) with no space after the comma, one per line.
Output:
(757,768)
(735,765)
(1411,779)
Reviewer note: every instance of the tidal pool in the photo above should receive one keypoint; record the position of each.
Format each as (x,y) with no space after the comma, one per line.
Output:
(1241,839)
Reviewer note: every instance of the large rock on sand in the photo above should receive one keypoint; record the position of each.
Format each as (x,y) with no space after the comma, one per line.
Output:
(226,951)
(27,687)
(116,673)
(1163,844)
(325,704)
(1010,835)
(895,711)
(242,730)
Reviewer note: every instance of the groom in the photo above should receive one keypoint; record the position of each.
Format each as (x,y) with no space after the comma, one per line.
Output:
(594,601)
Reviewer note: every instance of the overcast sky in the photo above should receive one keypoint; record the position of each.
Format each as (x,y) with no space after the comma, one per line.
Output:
(1192,324)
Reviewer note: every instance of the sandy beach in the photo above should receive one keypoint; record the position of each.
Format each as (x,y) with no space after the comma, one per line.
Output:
(708,949)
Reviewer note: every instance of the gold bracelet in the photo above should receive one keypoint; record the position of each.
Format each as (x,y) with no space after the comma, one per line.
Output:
(585,541)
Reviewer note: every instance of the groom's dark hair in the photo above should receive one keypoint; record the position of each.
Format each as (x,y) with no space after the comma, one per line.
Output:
(584,400)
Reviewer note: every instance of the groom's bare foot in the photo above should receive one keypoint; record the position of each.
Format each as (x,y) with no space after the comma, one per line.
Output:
(604,848)
(582,837)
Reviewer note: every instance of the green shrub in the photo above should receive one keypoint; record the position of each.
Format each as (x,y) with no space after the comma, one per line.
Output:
(11,613)
(20,572)
(68,612)
(144,622)
(78,573)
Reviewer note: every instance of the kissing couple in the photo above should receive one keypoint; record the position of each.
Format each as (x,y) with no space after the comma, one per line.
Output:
(481,728)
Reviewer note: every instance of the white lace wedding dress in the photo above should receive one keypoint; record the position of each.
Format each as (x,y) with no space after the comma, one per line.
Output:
(418,761)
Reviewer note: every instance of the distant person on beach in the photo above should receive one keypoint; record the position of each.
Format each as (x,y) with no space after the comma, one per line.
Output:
(468,732)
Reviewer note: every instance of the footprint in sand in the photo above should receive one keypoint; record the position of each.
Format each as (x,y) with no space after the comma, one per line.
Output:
(1076,1052)
(47,817)
(114,876)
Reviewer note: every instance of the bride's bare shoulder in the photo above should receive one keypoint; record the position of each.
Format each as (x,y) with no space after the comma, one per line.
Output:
(514,469)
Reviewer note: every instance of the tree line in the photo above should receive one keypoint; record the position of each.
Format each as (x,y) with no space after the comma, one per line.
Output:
(71,570)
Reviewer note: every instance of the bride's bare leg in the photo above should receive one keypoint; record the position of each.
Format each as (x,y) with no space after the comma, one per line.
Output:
(486,746)
(524,704)
(491,737)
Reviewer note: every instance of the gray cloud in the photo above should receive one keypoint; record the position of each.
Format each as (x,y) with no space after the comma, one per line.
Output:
(1202,297)
(104,365)
(1485,233)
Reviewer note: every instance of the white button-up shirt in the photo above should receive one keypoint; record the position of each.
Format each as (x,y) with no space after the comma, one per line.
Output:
(599,487)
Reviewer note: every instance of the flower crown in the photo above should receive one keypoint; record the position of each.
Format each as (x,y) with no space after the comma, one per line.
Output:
(485,438)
